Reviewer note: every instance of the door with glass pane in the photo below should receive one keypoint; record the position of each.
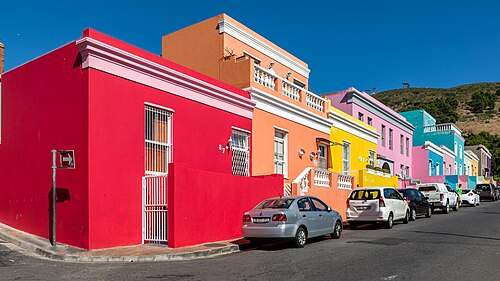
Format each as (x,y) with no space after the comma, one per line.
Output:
(280,161)
(323,156)
(346,158)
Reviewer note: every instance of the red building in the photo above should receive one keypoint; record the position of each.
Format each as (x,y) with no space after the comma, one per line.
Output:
(132,118)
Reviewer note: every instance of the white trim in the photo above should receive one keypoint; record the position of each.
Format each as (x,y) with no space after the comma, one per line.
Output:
(471,154)
(159,106)
(241,130)
(284,109)
(350,126)
(300,81)
(447,151)
(115,61)
(229,28)
(252,56)
(281,129)
(434,148)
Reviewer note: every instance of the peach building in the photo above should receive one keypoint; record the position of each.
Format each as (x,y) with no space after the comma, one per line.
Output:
(291,129)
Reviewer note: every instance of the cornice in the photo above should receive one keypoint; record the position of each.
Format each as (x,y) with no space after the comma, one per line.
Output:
(352,127)
(225,26)
(101,56)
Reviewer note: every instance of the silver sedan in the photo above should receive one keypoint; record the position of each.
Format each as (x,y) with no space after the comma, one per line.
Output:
(295,217)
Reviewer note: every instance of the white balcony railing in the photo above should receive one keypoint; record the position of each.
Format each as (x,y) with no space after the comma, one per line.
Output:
(314,101)
(442,127)
(344,181)
(322,177)
(290,90)
(263,77)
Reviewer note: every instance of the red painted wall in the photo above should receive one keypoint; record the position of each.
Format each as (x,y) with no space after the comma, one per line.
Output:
(213,212)
(44,107)
(116,140)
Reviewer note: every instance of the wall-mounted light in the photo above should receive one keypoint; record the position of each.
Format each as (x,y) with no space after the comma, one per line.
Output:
(301,152)
(312,155)
(288,75)
(229,144)
(271,64)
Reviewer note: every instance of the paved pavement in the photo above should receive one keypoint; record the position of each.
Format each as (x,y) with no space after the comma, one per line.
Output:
(42,247)
(463,245)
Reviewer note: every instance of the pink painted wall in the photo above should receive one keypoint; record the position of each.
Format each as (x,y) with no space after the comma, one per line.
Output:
(213,212)
(420,167)
(449,160)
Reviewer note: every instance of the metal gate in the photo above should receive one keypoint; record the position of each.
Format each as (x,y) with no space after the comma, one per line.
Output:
(154,209)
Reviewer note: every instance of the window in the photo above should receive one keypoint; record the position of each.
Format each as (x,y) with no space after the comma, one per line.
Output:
(455,171)
(370,121)
(437,169)
(241,153)
(430,167)
(158,140)
(372,158)
(390,139)
(445,172)
(401,141)
(298,83)
(319,205)
(407,172)
(304,205)
(455,148)
(460,151)
(323,156)
(402,168)
(382,135)
(407,146)
(460,170)
(280,148)
(360,116)
(346,156)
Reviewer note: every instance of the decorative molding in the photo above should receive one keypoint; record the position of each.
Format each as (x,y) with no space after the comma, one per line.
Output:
(115,61)
(448,151)
(226,26)
(358,98)
(434,148)
(350,126)
(279,107)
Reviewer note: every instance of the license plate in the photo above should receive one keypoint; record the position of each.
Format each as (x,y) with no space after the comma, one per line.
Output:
(260,220)
(363,208)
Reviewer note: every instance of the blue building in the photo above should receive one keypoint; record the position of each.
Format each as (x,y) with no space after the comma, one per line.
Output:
(447,134)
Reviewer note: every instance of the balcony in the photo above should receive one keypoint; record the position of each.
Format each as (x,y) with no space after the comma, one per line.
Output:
(446,127)
(281,87)
(312,179)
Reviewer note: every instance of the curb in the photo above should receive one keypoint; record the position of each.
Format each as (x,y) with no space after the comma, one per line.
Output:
(54,255)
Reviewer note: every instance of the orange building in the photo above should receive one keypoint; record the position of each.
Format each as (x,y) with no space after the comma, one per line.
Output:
(291,129)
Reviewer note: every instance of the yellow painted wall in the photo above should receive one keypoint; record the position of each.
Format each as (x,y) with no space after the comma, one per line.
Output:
(474,166)
(371,178)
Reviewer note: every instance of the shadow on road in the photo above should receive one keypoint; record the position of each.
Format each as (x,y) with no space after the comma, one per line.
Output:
(457,235)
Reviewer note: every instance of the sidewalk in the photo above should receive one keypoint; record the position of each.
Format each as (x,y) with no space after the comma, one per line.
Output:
(138,253)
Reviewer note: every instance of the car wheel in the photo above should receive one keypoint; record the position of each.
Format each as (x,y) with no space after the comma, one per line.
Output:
(407,217)
(446,208)
(353,225)
(390,221)
(413,214)
(429,212)
(456,207)
(337,230)
(300,238)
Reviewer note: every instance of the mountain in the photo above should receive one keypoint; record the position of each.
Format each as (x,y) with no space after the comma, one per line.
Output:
(473,107)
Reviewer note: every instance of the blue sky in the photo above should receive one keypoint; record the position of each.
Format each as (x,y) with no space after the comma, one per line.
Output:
(364,44)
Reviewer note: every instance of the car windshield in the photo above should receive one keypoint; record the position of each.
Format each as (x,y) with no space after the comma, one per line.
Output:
(427,188)
(275,204)
(485,187)
(367,194)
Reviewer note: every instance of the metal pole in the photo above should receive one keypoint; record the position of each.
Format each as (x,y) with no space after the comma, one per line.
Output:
(54,167)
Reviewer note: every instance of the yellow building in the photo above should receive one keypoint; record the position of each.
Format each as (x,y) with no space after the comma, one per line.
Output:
(353,146)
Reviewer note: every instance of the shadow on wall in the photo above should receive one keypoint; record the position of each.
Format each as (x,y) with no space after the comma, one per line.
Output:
(62,194)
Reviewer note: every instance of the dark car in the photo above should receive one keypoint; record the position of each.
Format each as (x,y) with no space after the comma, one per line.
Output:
(419,205)
(486,191)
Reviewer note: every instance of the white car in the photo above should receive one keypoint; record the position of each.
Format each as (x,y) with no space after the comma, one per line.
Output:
(471,197)
(440,196)
(376,204)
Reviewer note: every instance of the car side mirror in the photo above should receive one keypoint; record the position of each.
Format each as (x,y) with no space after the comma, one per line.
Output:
(426,197)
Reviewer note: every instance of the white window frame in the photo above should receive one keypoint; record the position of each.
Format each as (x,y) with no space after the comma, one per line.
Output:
(361,117)
(455,172)
(437,169)
(401,145)
(430,167)
(284,140)
(239,150)
(460,151)
(371,158)
(407,147)
(155,141)
(391,139)
(346,157)
(382,135)
(323,158)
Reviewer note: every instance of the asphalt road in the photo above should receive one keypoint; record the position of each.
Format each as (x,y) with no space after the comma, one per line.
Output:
(463,245)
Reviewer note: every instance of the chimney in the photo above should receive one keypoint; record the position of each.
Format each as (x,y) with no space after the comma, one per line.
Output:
(2,48)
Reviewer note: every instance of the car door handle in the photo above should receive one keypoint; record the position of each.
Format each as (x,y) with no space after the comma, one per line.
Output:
(320,215)
(304,216)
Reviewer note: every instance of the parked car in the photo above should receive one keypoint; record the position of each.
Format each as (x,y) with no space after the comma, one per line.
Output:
(439,196)
(486,191)
(470,197)
(418,202)
(296,218)
(376,205)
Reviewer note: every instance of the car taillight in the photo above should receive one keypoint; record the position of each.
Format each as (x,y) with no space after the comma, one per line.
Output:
(347,202)
(408,200)
(381,202)
(279,217)
(246,218)
(470,194)
(441,196)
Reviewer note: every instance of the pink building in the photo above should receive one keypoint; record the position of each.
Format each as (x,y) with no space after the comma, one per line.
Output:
(394,150)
